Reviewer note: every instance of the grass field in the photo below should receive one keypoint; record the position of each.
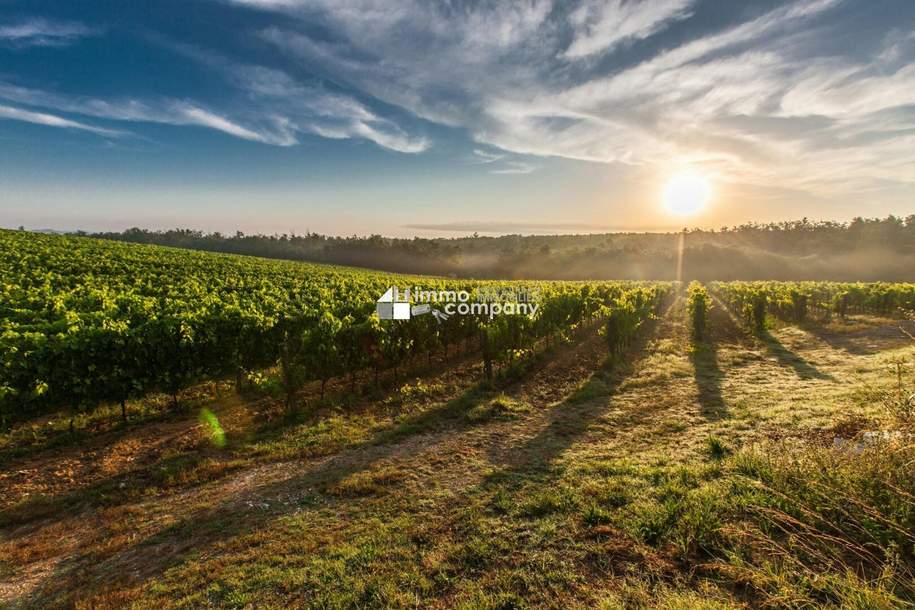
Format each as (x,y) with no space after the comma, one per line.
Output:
(681,475)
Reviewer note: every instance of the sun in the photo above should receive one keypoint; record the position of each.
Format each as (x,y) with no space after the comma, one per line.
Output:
(686,193)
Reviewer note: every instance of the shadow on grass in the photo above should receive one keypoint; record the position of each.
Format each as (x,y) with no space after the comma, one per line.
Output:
(243,511)
(708,376)
(867,340)
(198,527)
(787,358)
(529,485)
(246,510)
(129,485)
(838,340)
(724,325)
(722,330)
(569,420)
(104,426)
(186,470)
(23,444)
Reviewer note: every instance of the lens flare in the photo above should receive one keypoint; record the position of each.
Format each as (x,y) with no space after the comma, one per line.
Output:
(217,434)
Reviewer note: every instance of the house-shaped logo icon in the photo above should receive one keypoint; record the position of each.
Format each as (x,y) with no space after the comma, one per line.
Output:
(391,307)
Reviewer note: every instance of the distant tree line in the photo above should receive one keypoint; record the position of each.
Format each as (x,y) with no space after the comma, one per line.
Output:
(863,249)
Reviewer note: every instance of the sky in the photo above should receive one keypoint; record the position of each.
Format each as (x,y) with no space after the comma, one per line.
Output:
(424,117)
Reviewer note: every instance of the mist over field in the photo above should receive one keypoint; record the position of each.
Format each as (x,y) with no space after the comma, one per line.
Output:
(865,250)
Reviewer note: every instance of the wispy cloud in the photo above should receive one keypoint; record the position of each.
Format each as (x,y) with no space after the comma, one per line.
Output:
(522,78)
(50,120)
(191,115)
(484,157)
(164,111)
(269,106)
(514,167)
(501,163)
(39,32)
(602,25)
(761,94)
(300,107)
(313,109)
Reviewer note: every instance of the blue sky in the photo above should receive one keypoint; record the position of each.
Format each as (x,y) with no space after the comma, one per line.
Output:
(437,118)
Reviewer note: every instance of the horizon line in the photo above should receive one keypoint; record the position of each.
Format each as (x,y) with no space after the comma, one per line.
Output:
(491,229)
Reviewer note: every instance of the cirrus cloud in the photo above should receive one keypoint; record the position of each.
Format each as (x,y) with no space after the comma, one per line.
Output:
(38,32)
(545,79)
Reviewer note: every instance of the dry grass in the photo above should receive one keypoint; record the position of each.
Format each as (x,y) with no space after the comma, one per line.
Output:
(687,476)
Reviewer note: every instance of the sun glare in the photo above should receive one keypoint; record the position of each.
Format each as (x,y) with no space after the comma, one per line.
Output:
(686,193)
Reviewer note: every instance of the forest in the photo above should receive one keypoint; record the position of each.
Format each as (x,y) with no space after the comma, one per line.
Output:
(859,250)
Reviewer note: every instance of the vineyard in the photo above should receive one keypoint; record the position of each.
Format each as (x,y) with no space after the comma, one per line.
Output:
(188,429)
(86,321)
(795,301)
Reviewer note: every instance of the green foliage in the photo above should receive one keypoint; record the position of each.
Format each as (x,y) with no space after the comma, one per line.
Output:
(698,304)
(85,321)
(624,317)
(795,301)
(544,503)
(799,306)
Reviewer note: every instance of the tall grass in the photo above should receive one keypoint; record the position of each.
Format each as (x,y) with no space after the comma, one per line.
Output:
(828,526)
(804,526)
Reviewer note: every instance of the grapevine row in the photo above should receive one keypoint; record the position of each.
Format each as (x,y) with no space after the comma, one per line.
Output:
(796,301)
(85,322)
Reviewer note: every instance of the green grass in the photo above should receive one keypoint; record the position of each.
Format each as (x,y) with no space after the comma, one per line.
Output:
(501,407)
(629,493)
(717,448)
